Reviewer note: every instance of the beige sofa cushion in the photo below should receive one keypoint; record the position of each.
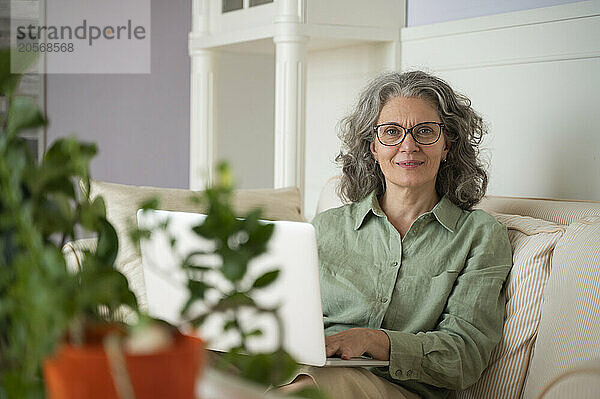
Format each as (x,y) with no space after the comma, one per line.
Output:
(563,212)
(533,242)
(582,382)
(123,201)
(569,329)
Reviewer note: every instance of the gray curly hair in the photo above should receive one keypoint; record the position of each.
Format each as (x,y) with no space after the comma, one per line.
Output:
(462,178)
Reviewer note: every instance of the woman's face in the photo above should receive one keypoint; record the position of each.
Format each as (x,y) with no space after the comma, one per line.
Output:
(409,164)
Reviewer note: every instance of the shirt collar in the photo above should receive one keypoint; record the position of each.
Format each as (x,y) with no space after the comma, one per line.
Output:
(365,206)
(445,211)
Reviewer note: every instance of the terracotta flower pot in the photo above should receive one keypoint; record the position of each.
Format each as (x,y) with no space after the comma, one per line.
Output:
(84,372)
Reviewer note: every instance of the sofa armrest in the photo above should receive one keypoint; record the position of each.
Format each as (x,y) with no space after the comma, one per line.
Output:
(73,252)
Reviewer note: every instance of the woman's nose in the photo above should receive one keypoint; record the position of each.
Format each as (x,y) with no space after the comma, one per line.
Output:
(409,144)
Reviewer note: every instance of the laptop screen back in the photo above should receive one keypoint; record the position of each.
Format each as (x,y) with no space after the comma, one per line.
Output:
(292,249)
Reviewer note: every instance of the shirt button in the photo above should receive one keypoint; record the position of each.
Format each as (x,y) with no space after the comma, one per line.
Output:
(409,373)
(398,373)
(394,264)
(383,300)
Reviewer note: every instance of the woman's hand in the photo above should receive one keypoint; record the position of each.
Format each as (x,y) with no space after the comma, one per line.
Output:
(357,341)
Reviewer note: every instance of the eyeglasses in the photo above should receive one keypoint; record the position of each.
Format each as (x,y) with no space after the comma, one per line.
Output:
(425,133)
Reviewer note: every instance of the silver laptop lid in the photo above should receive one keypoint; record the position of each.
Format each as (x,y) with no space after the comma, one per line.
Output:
(292,249)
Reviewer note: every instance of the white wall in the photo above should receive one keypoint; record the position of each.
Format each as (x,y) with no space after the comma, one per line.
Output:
(139,122)
(423,12)
(535,76)
(334,79)
(245,117)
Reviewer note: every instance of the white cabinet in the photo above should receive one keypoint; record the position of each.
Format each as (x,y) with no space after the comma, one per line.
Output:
(285,32)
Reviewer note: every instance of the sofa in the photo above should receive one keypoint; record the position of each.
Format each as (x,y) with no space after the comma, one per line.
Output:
(551,338)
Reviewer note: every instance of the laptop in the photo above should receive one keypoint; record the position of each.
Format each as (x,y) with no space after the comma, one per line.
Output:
(292,249)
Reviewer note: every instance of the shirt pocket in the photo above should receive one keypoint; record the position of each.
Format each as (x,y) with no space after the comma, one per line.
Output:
(421,300)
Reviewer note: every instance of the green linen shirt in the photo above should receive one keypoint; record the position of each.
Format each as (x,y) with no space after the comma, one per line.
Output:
(438,292)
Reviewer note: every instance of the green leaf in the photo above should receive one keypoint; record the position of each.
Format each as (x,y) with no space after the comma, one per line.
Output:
(69,155)
(105,286)
(235,264)
(254,333)
(199,320)
(266,279)
(258,239)
(229,325)
(108,243)
(54,214)
(61,184)
(137,234)
(196,268)
(9,81)
(150,203)
(23,113)
(197,291)
(265,368)
(235,300)
(93,213)
(224,176)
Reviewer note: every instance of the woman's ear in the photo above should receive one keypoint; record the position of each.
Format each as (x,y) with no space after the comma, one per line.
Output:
(373,151)
(446,149)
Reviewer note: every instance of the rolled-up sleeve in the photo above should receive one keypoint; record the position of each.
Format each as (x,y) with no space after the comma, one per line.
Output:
(457,351)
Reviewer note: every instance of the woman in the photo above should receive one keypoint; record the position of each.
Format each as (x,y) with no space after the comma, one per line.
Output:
(409,273)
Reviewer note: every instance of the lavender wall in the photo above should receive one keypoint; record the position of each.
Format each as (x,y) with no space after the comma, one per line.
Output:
(423,12)
(139,122)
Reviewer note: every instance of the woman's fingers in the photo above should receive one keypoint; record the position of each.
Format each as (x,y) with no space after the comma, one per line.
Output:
(358,341)
(346,344)
(330,348)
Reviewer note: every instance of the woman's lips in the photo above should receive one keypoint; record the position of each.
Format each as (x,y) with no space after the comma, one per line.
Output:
(410,164)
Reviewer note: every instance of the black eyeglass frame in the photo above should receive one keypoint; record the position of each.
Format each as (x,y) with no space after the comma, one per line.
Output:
(405,130)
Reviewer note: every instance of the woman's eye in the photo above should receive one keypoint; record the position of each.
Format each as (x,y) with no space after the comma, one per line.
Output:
(425,131)
(391,131)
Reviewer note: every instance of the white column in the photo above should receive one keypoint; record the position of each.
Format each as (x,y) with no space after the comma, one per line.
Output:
(202,118)
(290,89)
(202,101)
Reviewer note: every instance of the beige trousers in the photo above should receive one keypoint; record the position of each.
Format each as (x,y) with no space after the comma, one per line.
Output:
(354,383)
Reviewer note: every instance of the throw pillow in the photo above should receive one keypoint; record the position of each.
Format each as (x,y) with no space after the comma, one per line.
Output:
(568,335)
(533,242)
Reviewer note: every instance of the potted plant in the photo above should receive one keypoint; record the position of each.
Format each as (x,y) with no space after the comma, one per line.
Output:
(72,321)
(43,305)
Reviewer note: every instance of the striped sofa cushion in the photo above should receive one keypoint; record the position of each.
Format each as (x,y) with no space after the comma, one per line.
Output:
(569,333)
(533,243)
